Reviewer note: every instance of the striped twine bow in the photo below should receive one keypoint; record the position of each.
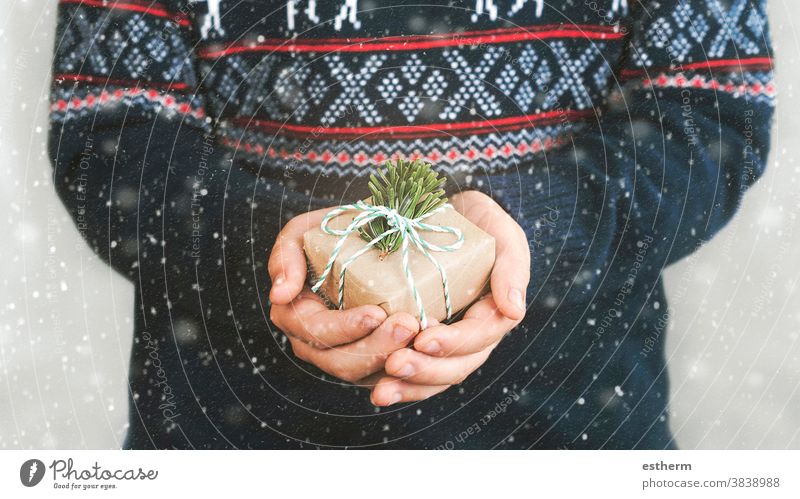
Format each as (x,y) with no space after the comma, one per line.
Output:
(409,231)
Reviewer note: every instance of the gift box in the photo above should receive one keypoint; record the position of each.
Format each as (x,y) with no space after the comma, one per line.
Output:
(438,264)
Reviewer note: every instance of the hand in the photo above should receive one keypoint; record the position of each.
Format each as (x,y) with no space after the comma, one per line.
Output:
(444,355)
(348,344)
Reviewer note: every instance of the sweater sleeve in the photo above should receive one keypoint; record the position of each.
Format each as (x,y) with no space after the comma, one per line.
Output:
(135,159)
(665,163)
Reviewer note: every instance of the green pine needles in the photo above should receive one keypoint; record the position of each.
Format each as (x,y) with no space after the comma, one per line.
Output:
(412,188)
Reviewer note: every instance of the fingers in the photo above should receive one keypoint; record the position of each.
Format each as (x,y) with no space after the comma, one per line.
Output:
(396,332)
(391,390)
(357,361)
(287,261)
(412,375)
(511,272)
(417,368)
(371,380)
(308,319)
(287,268)
(482,326)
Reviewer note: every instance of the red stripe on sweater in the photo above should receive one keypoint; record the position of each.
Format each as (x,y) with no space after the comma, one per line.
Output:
(765,63)
(62,78)
(110,97)
(699,82)
(420,42)
(417,131)
(496,31)
(149,8)
(361,158)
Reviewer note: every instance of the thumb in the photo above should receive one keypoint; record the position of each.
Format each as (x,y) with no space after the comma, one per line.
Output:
(287,270)
(287,260)
(511,272)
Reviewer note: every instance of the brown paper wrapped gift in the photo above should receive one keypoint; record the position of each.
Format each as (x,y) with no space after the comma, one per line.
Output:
(370,280)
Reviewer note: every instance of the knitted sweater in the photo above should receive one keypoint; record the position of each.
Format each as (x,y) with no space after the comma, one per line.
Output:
(620,135)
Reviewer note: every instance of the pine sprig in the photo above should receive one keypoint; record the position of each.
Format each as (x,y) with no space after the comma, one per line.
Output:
(412,188)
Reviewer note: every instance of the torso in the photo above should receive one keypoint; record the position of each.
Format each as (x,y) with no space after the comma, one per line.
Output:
(336,87)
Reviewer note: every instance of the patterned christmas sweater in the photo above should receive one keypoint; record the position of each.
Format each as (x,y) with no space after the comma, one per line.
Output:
(621,134)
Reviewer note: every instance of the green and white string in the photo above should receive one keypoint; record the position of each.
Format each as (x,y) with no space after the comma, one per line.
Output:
(408,228)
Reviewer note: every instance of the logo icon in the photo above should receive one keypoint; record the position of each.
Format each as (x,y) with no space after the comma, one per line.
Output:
(31,472)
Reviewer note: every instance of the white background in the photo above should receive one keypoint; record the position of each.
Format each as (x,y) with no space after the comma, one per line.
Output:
(65,317)
(467,474)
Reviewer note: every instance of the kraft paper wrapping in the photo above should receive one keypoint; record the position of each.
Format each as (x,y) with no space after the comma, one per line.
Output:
(372,281)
